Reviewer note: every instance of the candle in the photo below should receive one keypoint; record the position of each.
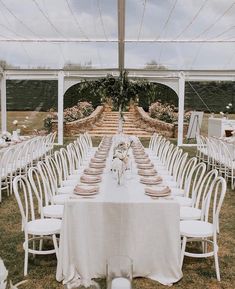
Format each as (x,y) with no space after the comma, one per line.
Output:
(121,283)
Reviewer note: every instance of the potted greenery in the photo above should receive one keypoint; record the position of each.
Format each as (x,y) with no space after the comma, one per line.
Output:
(108,104)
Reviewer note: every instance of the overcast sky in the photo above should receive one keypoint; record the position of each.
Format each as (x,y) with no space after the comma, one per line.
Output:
(97,19)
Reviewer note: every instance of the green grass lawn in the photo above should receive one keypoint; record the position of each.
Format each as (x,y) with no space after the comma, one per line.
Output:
(198,273)
(31,119)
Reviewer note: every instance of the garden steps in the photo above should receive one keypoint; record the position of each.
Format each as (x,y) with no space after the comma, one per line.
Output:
(108,125)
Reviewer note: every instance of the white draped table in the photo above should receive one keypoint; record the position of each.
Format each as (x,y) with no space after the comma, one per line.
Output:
(120,220)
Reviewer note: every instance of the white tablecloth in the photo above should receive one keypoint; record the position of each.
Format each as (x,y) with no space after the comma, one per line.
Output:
(121,220)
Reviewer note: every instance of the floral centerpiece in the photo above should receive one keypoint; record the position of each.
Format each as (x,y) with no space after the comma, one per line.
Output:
(6,136)
(120,161)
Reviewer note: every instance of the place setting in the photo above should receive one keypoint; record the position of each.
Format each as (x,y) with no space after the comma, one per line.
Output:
(87,191)
(158,192)
(149,177)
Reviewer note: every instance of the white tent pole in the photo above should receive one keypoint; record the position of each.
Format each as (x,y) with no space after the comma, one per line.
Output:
(3,102)
(181,108)
(60,107)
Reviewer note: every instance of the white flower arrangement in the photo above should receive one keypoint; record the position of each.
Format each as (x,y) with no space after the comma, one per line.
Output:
(228,109)
(6,135)
(121,159)
(15,122)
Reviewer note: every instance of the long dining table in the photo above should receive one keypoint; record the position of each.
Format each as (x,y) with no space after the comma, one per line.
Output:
(120,220)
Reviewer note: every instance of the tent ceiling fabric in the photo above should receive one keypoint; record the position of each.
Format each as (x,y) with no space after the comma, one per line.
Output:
(158,34)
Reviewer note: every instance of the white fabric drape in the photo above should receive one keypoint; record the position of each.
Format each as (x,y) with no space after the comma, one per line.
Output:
(120,220)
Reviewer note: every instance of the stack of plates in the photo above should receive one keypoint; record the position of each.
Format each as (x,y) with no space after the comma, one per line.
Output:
(158,193)
(86,190)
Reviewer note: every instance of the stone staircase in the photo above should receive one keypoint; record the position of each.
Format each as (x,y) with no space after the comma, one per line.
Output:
(108,125)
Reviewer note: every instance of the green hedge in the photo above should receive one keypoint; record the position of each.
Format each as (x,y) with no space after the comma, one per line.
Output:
(31,95)
(42,95)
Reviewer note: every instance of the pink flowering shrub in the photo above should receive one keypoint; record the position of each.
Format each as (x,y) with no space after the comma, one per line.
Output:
(165,112)
(81,110)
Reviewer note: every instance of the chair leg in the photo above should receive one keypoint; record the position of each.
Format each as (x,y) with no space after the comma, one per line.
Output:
(204,245)
(34,246)
(216,263)
(40,244)
(184,241)
(56,246)
(26,256)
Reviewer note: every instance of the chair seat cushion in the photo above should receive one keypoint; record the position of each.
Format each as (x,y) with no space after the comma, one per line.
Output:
(176,191)
(183,201)
(66,190)
(53,211)
(69,183)
(44,227)
(60,199)
(74,177)
(195,229)
(189,213)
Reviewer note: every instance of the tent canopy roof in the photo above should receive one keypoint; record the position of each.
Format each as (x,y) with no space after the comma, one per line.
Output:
(117,34)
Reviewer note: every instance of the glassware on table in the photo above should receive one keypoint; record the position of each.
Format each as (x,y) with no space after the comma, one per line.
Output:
(119,272)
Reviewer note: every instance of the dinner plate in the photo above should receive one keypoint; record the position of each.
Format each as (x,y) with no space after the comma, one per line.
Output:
(150,182)
(145,166)
(93,171)
(87,193)
(157,195)
(90,180)
(142,161)
(97,165)
(147,173)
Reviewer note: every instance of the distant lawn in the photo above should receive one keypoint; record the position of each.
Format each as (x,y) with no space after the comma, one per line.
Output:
(34,121)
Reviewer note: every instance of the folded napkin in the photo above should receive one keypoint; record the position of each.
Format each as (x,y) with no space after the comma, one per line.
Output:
(91,171)
(150,172)
(138,146)
(158,193)
(101,150)
(141,157)
(100,155)
(80,190)
(97,165)
(90,179)
(138,151)
(98,160)
(106,142)
(142,161)
(104,145)
(151,180)
(145,166)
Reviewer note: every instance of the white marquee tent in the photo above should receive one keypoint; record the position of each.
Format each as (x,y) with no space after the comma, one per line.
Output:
(166,41)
